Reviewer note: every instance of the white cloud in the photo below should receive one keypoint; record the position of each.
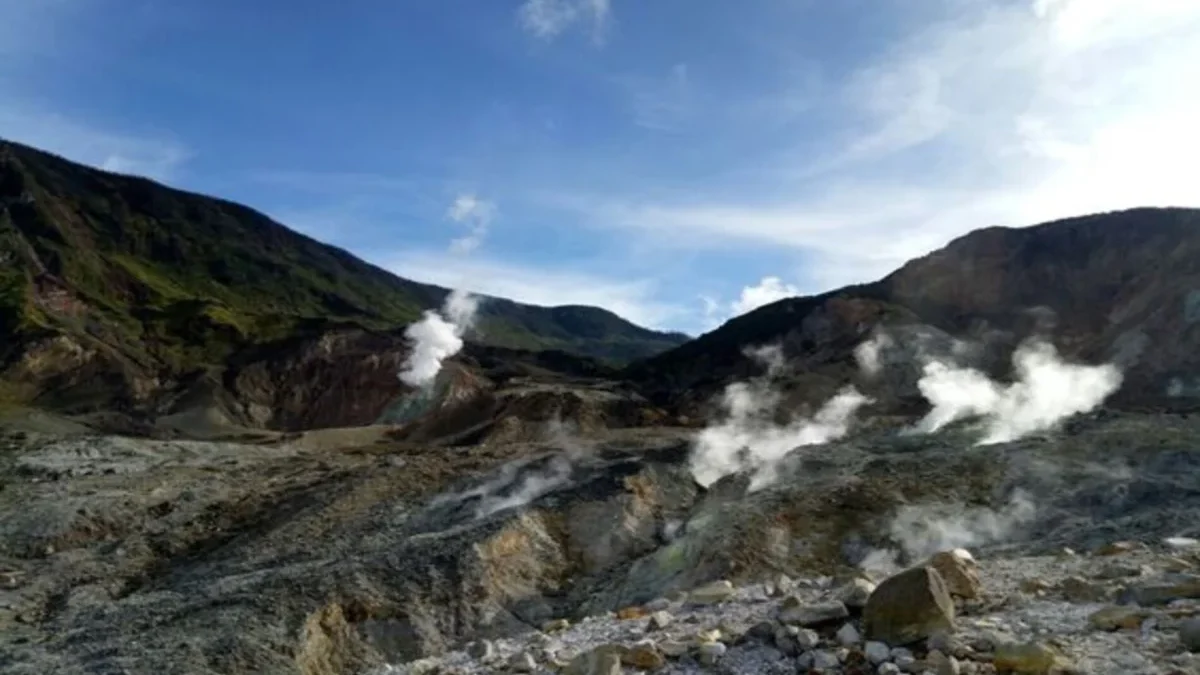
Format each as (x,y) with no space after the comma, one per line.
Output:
(476,214)
(631,299)
(547,19)
(661,103)
(995,114)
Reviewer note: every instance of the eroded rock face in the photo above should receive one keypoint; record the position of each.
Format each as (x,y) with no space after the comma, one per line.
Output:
(240,558)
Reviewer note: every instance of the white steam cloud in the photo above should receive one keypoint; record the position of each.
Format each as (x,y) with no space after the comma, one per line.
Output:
(1047,390)
(922,530)
(521,482)
(437,337)
(748,439)
(869,354)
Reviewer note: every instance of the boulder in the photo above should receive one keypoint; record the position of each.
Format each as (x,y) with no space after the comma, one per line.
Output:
(959,570)
(909,607)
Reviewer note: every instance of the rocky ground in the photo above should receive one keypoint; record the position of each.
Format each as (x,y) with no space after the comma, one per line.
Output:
(1128,609)
(358,552)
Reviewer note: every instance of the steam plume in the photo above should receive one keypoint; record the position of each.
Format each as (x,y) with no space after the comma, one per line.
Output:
(437,337)
(869,354)
(920,530)
(1047,391)
(749,440)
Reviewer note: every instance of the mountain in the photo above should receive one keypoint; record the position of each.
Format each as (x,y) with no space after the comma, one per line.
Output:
(1120,287)
(118,283)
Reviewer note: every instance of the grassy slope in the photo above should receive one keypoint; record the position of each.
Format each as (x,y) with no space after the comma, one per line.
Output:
(188,277)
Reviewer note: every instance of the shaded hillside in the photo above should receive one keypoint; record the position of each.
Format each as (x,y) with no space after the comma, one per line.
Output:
(111,279)
(1122,286)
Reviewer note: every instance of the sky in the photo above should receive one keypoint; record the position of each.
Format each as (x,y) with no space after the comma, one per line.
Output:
(678,162)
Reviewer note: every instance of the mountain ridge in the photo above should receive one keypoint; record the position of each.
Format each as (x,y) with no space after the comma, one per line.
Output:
(157,283)
(1120,286)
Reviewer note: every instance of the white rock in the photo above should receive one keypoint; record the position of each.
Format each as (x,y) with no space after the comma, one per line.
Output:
(825,660)
(660,620)
(673,648)
(711,594)
(711,652)
(877,652)
(888,668)
(522,662)
(807,638)
(1181,543)
(848,635)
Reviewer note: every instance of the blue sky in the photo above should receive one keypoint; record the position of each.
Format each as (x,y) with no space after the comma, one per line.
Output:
(676,161)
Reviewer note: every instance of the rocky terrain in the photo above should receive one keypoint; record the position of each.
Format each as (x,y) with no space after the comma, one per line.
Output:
(347,551)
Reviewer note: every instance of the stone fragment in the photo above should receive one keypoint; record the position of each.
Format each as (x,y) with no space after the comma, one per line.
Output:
(909,607)
(795,611)
(807,638)
(1118,617)
(522,662)
(1078,589)
(1034,586)
(888,668)
(854,594)
(711,594)
(1026,658)
(1182,543)
(1163,590)
(848,635)
(1118,547)
(941,664)
(605,660)
(825,661)
(555,626)
(960,572)
(644,656)
(877,652)
(673,648)
(660,620)
(763,631)
(711,652)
